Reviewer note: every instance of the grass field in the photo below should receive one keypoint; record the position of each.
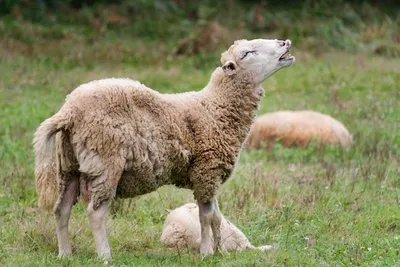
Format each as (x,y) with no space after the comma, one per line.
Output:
(320,206)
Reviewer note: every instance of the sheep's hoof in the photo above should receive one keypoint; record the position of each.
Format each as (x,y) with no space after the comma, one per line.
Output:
(107,263)
(206,251)
(218,250)
(64,254)
(106,257)
(222,253)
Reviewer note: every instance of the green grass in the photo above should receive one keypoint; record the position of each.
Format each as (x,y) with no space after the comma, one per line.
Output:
(321,206)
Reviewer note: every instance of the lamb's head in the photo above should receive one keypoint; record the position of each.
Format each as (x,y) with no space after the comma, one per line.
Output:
(256,59)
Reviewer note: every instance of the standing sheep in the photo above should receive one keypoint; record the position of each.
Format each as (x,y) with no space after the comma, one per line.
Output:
(116,137)
(297,128)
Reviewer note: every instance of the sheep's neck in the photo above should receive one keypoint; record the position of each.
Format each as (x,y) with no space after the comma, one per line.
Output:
(236,103)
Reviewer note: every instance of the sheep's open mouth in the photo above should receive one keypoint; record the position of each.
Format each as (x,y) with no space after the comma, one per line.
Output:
(286,56)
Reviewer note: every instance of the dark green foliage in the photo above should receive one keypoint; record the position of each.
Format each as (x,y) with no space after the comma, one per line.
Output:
(318,25)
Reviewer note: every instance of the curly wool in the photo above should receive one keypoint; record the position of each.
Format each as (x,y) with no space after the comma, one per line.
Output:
(297,128)
(127,136)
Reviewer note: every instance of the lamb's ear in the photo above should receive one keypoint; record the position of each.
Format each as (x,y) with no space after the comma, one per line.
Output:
(229,68)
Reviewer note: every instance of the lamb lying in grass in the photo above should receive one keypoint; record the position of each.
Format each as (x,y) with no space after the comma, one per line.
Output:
(119,138)
(297,128)
(182,230)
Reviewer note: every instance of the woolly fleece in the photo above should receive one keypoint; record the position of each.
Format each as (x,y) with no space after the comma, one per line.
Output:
(117,137)
(297,128)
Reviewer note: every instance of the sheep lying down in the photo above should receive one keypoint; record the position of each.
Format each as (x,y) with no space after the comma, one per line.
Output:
(182,230)
(297,128)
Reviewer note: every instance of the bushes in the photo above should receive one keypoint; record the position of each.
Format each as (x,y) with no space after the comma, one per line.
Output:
(315,25)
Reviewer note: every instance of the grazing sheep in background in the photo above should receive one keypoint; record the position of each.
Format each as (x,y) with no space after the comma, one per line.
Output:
(117,137)
(297,128)
(182,229)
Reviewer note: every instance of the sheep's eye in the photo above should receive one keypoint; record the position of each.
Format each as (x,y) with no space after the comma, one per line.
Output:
(246,53)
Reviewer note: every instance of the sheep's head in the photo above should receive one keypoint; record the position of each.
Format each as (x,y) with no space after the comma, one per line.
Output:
(257,59)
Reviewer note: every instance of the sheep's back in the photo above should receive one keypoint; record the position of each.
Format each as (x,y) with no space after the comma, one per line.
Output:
(119,123)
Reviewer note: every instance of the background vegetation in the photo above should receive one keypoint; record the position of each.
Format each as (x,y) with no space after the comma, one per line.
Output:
(321,206)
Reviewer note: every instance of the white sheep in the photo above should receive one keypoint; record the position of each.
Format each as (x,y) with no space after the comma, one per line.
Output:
(297,128)
(182,230)
(117,137)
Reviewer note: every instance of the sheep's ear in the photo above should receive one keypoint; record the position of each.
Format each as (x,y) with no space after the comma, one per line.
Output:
(229,68)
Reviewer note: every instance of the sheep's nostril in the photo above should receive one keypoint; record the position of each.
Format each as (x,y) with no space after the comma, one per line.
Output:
(283,43)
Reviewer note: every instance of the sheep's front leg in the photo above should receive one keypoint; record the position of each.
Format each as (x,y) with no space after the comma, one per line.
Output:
(206,217)
(216,225)
(205,186)
(97,220)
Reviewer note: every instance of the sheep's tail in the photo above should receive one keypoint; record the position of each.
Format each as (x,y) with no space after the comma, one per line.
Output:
(45,163)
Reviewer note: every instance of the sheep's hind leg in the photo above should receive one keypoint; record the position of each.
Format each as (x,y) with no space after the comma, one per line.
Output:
(216,225)
(206,215)
(67,197)
(97,220)
(101,191)
(97,213)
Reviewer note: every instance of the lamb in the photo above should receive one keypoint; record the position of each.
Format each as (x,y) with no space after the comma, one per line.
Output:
(297,128)
(119,138)
(182,229)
